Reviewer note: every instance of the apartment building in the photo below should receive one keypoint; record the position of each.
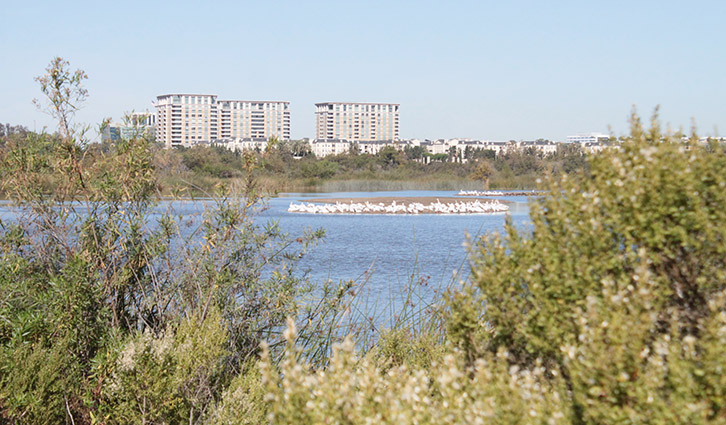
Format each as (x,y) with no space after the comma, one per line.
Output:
(256,120)
(324,147)
(188,119)
(357,122)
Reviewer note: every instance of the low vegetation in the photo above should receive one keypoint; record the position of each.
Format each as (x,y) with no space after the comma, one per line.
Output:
(611,308)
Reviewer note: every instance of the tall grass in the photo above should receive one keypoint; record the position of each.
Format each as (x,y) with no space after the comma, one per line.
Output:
(272,184)
(388,185)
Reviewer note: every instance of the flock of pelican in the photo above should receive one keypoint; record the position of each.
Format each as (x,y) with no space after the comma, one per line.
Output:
(468,207)
(477,193)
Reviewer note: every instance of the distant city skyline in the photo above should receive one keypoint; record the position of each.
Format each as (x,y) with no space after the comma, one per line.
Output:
(462,69)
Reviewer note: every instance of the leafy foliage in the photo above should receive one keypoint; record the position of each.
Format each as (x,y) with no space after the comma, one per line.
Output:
(619,287)
(116,309)
(64,93)
(483,171)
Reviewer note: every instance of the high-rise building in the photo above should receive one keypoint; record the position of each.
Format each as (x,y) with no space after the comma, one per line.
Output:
(187,119)
(254,119)
(357,122)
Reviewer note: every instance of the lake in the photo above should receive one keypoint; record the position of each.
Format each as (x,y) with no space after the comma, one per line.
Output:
(383,254)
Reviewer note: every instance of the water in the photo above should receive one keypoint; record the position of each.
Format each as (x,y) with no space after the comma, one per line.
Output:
(383,253)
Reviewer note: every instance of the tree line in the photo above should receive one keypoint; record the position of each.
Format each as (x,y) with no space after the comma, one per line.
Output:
(288,165)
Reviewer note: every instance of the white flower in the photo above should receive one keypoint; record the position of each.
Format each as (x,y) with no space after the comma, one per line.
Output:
(648,153)
(291,331)
(569,350)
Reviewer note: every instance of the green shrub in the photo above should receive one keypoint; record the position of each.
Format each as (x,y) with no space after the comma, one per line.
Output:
(619,286)
(243,402)
(172,377)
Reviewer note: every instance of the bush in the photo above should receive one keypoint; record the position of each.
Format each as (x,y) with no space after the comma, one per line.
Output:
(619,286)
(167,378)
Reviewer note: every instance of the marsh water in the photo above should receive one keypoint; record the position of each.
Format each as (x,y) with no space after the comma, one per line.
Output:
(383,254)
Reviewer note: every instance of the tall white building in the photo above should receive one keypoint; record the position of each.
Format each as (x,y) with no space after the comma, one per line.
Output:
(357,122)
(254,119)
(187,119)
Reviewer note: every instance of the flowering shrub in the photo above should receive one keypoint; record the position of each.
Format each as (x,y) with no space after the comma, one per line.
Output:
(620,286)
(355,390)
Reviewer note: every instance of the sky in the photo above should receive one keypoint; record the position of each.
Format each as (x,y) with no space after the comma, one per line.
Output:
(488,70)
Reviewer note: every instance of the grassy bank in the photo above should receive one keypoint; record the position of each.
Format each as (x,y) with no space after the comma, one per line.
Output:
(368,185)
(270,183)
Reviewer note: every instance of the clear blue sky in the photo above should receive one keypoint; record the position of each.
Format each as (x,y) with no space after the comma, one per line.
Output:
(482,69)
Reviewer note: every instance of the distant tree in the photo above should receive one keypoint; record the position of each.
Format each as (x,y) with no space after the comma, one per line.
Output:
(414,152)
(354,148)
(483,171)
(474,154)
(302,148)
(440,157)
(214,161)
(390,156)
(319,169)
(296,148)
(453,154)
(571,157)
(523,161)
